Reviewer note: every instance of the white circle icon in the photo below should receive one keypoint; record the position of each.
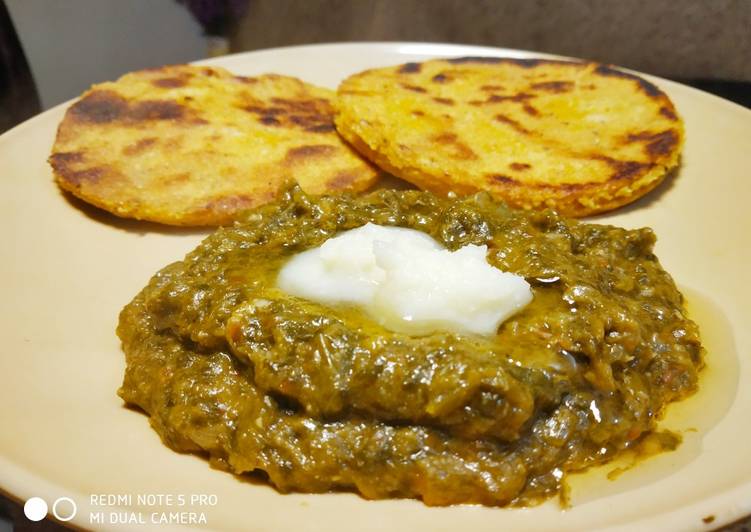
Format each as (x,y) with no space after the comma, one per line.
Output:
(35,509)
(68,512)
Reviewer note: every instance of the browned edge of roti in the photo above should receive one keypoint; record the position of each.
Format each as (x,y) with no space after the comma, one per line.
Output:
(604,70)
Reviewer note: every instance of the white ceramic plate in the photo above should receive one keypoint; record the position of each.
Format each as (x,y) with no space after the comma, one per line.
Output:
(67,269)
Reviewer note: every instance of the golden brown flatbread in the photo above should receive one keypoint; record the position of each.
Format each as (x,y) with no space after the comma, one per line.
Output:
(190,145)
(579,137)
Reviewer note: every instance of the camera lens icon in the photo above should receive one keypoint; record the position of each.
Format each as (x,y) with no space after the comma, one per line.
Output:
(64,509)
(35,509)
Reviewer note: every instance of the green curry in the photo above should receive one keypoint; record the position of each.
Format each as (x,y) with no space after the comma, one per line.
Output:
(320,398)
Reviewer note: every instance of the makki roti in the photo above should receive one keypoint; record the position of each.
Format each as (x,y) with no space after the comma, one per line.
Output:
(193,145)
(579,137)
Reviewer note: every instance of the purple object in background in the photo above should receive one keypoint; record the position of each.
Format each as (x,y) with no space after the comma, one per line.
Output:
(216,16)
(18,94)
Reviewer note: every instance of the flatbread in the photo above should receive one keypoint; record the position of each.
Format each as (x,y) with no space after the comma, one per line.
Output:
(579,137)
(190,145)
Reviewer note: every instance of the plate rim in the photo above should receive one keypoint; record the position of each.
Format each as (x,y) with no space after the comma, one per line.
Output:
(738,499)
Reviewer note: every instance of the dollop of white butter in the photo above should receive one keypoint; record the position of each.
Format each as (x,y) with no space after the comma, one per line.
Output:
(407,281)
